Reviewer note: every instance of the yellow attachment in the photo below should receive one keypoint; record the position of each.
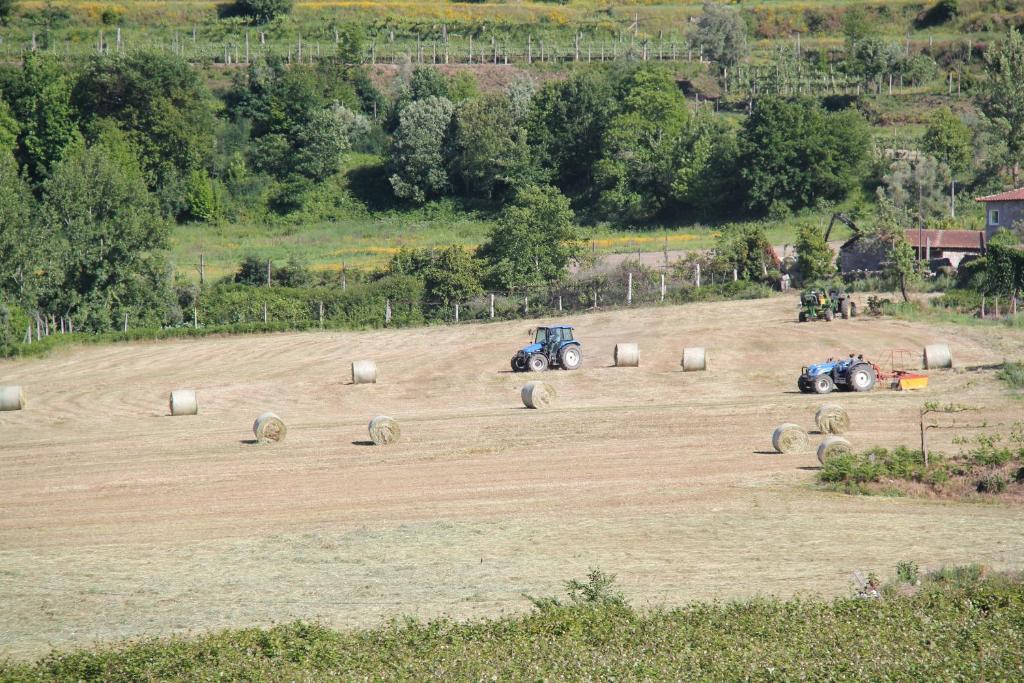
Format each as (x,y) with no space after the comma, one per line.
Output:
(908,382)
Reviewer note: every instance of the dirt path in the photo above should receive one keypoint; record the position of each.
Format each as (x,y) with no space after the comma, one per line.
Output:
(116,520)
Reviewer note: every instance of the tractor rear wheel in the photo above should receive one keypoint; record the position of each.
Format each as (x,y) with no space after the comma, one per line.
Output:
(538,362)
(823,384)
(829,315)
(571,357)
(861,378)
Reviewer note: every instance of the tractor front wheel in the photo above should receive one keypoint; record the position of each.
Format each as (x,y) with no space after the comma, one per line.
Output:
(823,384)
(518,364)
(803,316)
(538,362)
(570,358)
(804,385)
(861,378)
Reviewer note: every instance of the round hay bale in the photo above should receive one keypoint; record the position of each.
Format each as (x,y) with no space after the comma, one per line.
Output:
(384,430)
(937,356)
(789,438)
(12,397)
(832,419)
(184,402)
(833,446)
(364,372)
(695,359)
(627,355)
(269,428)
(538,395)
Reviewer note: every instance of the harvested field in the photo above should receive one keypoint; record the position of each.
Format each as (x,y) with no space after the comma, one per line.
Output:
(117,520)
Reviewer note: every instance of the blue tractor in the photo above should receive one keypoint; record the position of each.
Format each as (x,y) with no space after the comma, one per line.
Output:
(552,347)
(846,374)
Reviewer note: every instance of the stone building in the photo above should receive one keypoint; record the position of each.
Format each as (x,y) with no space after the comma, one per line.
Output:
(1003,210)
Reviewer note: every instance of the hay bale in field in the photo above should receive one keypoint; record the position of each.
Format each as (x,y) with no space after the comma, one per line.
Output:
(937,356)
(832,419)
(695,359)
(627,355)
(269,428)
(833,446)
(538,395)
(184,402)
(12,397)
(384,430)
(364,372)
(789,438)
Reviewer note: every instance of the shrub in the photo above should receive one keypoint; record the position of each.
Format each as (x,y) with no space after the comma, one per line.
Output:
(992,483)
(263,11)
(907,571)
(1012,374)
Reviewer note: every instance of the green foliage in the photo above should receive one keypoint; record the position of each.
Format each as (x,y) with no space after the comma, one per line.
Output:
(1004,269)
(918,188)
(489,153)
(9,129)
(815,255)
(450,275)
(940,13)
(23,250)
(110,235)
(41,101)
(907,571)
(418,150)
(961,623)
(263,11)
(534,240)
(796,153)
(992,483)
(645,148)
(1012,374)
(159,101)
(200,200)
(7,8)
(948,139)
(319,143)
(747,249)
(722,33)
(1003,92)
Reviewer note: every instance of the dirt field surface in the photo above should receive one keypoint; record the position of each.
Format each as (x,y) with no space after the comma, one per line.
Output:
(117,520)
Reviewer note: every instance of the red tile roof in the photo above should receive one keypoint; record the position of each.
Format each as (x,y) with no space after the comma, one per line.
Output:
(1010,196)
(946,239)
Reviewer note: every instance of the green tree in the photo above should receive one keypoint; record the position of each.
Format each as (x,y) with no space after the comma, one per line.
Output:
(948,139)
(200,200)
(1003,94)
(6,11)
(746,249)
(533,242)
(320,143)
(41,99)
(490,155)
(450,275)
(889,228)
(722,33)
(795,154)
(263,11)
(427,82)
(917,187)
(9,129)
(567,125)
(107,225)
(814,255)
(24,250)
(418,150)
(159,101)
(643,147)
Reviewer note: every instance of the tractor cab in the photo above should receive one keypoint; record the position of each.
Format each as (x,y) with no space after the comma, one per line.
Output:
(552,347)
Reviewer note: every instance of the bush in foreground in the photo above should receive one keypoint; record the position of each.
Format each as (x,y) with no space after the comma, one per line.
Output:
(959,623)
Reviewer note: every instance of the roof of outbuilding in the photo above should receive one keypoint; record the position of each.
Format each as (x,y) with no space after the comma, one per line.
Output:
(946,239)
(1008,196)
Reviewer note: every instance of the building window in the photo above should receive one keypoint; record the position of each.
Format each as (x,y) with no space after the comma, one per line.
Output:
(993,217)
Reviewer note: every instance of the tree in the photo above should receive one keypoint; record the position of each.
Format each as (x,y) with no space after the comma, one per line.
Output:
(9,129)
(427,82)
(795,153)
(318,145)
(110,234)
(161,104)
(263,11)
(6,11)
(567,125)
(948,139)
(722,33)
(418,151)
(450,275)
(41,99)
(24,250)
(917,187)
(814,255)
(489,151)
(200,200)
(534,240)
(1003,94)
(643,147)
(889,229)
(746,249)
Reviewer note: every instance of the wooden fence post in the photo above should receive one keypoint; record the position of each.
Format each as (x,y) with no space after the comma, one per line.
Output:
(492,305)
(663,287)
(629,290)
(456,313)
(387,312)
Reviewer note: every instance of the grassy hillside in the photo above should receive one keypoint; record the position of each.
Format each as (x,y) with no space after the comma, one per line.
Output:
(959,624)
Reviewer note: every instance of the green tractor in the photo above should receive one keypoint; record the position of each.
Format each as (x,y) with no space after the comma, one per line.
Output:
(822,304)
